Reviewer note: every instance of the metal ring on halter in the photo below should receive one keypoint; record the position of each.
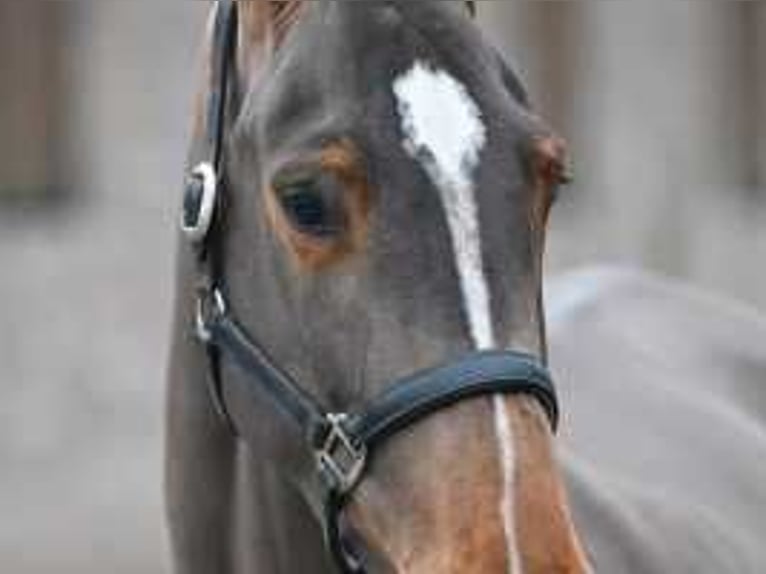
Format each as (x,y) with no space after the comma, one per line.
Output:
(204,310)
(199,203)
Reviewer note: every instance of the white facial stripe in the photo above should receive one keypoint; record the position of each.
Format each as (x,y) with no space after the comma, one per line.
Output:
(508,459)
(444,131)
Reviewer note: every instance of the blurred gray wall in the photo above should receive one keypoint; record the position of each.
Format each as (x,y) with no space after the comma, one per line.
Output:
(85,286)
(662,102)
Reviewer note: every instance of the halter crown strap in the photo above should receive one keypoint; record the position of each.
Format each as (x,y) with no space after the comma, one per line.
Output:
(201,194)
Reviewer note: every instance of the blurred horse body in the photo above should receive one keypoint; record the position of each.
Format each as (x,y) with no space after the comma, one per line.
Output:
(664,438)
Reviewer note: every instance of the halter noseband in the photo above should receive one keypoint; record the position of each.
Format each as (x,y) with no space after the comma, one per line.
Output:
(340,443)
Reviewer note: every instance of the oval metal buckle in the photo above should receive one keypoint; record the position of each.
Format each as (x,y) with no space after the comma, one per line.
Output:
(199,202)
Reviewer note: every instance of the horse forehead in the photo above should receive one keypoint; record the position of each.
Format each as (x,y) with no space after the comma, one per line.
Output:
(442,124)
(420,94)
(365,36)
(345,53)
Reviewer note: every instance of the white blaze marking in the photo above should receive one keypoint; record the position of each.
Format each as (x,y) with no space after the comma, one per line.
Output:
(508,458)
(444,131)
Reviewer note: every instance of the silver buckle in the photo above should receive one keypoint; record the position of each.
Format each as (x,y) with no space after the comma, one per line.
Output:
(219,308)
(341,461)
(206,176)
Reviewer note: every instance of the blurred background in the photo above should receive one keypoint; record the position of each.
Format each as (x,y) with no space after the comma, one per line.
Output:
(664,106)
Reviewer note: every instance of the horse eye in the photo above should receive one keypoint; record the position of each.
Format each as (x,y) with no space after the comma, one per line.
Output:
(311,208)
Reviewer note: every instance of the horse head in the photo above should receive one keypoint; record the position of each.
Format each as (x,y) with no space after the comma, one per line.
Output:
(387,190)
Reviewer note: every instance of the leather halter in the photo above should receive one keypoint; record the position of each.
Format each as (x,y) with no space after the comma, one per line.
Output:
(340,443)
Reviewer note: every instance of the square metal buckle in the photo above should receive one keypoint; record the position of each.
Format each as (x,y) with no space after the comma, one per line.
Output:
(341,462)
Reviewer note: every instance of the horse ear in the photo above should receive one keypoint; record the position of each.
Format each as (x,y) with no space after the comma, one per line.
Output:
(263,26)
(551,160)
(550,155)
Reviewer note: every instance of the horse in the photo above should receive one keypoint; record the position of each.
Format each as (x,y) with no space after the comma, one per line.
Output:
(357,377)
(386,192)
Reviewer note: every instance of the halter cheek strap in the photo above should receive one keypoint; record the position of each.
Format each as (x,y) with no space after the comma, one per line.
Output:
(201,198)
(340,443)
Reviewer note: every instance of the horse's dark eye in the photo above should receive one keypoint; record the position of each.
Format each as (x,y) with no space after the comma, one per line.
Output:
(304,208)
(312,207)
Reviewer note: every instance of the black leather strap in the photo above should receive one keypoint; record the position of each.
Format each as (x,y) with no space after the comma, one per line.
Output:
(477,374)
(269,381)
(344,559)
(223,44)
(402,404)
(209,253)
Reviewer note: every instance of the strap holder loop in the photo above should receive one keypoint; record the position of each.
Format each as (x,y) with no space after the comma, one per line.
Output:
(199,202)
